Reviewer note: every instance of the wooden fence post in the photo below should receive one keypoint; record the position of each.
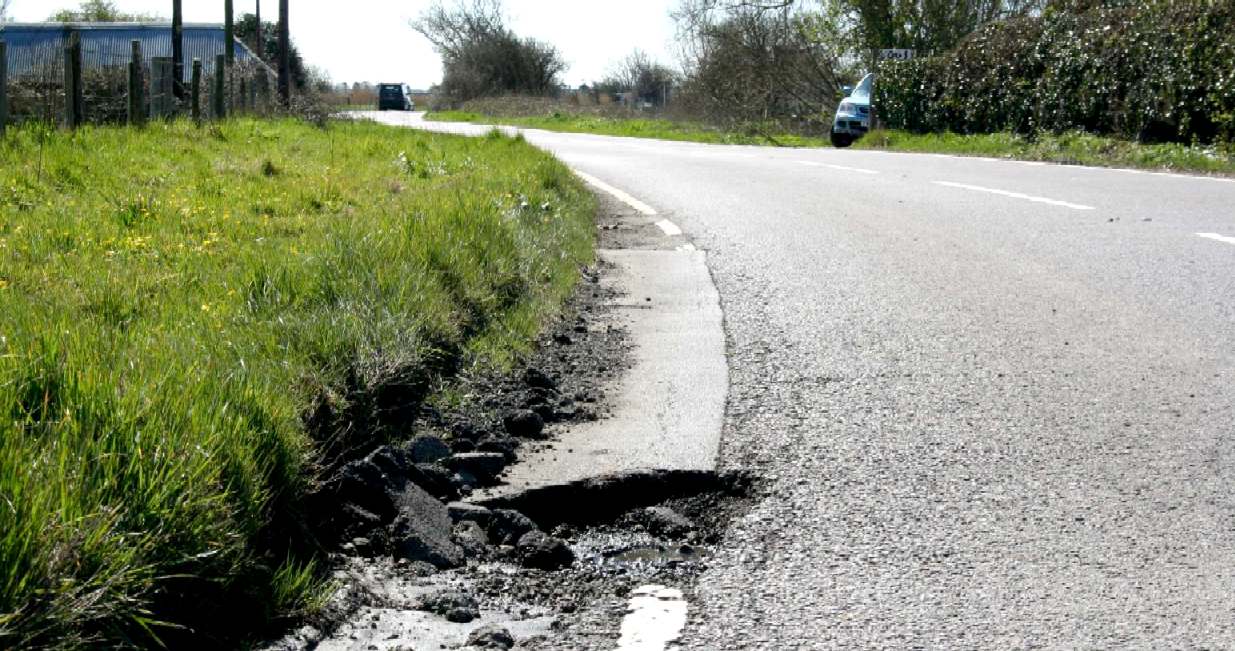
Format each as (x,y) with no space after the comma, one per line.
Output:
(197,90)
(220,75)
(162,87)
(72,82)
(263,91)
(137,86)
(4,87)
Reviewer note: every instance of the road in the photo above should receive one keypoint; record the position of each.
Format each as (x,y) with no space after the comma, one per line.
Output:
(993,401)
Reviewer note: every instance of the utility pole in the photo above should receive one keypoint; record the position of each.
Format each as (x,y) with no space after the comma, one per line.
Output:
(285,66)
(229,33)
(260,48)
(178,50)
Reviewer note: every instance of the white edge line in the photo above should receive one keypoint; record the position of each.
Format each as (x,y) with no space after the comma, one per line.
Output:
(1016,195)
(1092,168)
(1172,175)
(671,229)
(618,194)
(1217,238)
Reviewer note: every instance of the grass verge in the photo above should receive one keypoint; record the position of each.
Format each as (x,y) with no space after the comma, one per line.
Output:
(1075,148)
(178,309)
(660,129)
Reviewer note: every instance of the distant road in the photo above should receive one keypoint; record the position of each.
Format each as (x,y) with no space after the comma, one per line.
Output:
(994,401)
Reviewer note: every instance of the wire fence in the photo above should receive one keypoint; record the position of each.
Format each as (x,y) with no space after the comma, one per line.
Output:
(39,87)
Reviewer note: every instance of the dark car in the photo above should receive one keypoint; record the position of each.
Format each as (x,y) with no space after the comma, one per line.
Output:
(394,97)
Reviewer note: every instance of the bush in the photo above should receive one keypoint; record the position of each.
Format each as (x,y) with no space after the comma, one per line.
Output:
(1155,71)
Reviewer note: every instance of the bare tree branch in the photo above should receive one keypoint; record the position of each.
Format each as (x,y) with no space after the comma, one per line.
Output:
(481,56)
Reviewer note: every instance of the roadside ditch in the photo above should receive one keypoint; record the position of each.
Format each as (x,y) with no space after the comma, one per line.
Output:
(424,558)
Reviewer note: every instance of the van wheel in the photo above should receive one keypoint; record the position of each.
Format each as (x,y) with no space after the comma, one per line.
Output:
(841,140)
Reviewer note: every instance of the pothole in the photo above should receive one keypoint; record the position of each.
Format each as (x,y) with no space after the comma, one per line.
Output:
(544,602)
(654,540)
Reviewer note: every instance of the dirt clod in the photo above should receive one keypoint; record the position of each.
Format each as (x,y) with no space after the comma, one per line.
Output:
(491,637)
(524,423)
(664,521)
(484,466)
(427,449)
(538,550)
(422,530)
(456,607)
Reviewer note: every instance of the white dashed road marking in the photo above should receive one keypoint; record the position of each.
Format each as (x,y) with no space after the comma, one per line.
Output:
(1016,195)
(843,168)
(654,620)
(1217,238)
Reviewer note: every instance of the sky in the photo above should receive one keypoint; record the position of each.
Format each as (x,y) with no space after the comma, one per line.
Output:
(370,40)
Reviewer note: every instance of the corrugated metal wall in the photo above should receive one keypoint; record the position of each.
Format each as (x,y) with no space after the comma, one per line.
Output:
(38,48)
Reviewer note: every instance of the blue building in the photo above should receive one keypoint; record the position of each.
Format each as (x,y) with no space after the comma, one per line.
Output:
(33,47)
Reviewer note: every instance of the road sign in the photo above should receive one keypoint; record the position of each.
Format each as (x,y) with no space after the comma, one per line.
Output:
(895,55)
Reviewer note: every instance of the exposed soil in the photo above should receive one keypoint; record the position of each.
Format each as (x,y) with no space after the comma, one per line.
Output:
(561,384)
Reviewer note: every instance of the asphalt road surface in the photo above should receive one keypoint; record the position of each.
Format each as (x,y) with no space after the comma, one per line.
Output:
(993,400)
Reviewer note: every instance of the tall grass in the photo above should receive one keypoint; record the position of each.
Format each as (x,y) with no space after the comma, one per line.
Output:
(176,307)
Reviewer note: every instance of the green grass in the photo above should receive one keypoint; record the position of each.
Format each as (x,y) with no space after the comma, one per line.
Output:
(660,129)
(174,304)
(1074,148)
(1071,148)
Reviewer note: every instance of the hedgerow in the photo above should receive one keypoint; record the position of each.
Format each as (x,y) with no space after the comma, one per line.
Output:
(1157,71)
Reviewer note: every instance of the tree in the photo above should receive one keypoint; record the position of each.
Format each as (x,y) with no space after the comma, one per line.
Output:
(646,79)
(754,61)
(99,11)
(869,25)
(482,57)
(268,49)
(4,10)
(928,25)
